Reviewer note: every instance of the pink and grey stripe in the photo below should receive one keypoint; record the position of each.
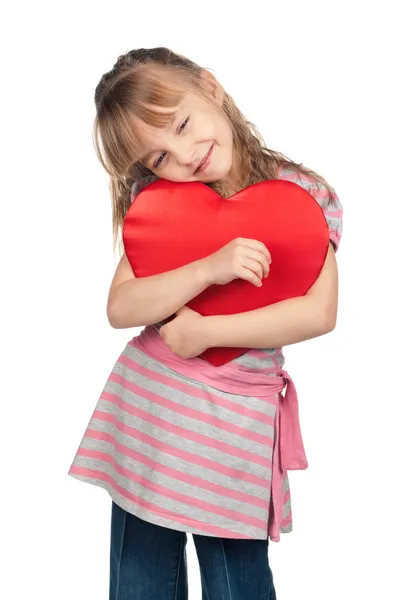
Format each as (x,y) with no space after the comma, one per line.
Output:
(188,455)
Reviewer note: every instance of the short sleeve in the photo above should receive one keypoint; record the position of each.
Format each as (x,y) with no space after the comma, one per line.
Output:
(330,204)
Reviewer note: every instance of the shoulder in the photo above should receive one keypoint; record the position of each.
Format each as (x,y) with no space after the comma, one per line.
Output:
(326,197)
(309,183)
(140,184)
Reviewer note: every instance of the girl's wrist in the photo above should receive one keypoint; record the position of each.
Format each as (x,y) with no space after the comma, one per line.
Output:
(204,273)
(208,331)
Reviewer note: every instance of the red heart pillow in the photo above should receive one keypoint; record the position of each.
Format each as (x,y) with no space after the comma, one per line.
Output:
(171,224)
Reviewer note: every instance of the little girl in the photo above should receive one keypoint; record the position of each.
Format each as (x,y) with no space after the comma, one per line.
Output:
(179,444)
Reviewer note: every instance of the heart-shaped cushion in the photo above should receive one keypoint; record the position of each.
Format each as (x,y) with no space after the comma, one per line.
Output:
(172,224)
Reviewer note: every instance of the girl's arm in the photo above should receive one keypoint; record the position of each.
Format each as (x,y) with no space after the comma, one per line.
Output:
(297,319)
(287,322)
(136,302)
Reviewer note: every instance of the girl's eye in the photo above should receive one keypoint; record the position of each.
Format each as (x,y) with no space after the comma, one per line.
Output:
(159,160)
(183,124)
(162,156)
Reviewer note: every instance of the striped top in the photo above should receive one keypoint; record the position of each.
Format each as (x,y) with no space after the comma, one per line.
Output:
(197,448)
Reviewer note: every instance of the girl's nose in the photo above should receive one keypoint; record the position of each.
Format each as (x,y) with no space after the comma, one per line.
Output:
(185,153)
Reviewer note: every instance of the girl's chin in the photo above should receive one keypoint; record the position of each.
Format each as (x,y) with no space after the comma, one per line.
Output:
(212,176)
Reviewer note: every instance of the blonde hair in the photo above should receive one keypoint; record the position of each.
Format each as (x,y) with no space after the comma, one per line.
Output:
(138,86)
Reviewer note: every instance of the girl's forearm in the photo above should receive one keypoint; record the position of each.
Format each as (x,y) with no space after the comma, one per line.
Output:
(284,323)
(287,322)
(147,300)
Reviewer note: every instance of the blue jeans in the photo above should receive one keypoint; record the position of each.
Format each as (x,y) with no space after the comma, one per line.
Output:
(148,562)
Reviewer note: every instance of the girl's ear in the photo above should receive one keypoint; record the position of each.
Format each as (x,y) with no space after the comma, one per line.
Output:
(212,86)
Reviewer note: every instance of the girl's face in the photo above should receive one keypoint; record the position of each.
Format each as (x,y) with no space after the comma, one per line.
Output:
(197,146)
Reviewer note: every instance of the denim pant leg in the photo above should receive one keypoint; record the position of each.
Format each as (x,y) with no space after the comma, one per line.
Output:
(147,562)
(234,569)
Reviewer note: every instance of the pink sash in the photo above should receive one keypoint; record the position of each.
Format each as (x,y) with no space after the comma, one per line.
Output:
(288,453)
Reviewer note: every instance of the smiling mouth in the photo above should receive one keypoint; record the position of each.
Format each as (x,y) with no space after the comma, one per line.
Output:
(203,162)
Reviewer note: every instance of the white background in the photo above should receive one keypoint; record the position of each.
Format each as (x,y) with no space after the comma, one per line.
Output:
(325,82)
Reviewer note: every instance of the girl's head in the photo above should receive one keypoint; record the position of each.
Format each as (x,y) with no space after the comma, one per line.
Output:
(164,114)
(158,113)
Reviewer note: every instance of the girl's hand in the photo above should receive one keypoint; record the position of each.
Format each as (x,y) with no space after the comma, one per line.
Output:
(242,258)
(184,335)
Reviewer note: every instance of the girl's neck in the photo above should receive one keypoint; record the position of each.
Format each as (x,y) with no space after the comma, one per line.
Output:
(231,190)
(232,182)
